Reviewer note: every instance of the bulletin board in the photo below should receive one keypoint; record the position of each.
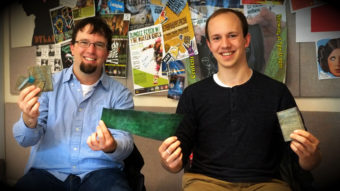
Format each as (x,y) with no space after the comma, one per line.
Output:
(301,78)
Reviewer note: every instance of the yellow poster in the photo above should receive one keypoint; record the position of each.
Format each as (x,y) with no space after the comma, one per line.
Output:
(179,37)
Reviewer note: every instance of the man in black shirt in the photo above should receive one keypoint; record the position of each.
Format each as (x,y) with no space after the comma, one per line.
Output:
(230,124)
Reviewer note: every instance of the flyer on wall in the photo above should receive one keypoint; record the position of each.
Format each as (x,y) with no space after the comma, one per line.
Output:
(116,63)
(146,53)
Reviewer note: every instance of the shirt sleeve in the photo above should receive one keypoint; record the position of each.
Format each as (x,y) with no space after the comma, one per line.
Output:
(26,136)
(124,145)
(186,130)
(124,139)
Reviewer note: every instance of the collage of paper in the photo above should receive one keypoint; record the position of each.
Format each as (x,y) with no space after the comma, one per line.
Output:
(163,41)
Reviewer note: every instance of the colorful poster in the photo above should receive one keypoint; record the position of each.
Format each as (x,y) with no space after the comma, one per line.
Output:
(176,86)
(146,53)
(206,61)
(83,9)
(192,69)
(267,51)
(328,58)
(66,54)
(179,37)
(140,13)
(62,23)
(116,63)
(110,6)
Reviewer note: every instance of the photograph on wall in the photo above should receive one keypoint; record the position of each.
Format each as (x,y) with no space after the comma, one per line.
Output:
(328,58)
(146,53)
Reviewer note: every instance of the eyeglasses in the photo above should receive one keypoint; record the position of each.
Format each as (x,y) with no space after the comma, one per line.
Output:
(86,44)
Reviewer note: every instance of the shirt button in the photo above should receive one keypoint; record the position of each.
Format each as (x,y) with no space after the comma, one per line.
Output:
(78,90)
(80,109)
(75,148)
(74,167)
(77,129)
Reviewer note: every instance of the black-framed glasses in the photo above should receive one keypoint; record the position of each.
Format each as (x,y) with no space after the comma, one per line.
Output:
(86,44)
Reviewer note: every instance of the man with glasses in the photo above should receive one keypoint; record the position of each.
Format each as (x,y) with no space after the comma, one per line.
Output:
(72,149)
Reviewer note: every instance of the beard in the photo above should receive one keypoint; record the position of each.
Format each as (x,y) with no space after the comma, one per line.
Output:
(87,68)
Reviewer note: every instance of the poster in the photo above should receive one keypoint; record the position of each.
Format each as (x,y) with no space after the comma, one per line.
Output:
(110,6)
(49,55)
(328,58)
(146,53)
(267,51)
(140,13)
(83,9)
(62,23)
(179,37)
(116,63)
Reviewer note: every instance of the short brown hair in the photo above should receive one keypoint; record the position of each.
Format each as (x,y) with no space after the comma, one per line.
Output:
(99,26)
(325,50)
(239,14)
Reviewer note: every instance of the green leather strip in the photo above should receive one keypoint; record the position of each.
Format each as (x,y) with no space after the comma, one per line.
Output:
(154,125)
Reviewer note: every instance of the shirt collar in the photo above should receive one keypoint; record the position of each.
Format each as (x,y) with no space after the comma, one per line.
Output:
(102,80)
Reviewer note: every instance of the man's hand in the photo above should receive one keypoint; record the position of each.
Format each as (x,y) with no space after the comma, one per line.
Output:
(306,146)
(29,105)
(102,139)
(171,154)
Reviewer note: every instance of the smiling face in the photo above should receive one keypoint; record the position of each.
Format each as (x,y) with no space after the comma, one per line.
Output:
(88,60)
(227,42)
(334,62)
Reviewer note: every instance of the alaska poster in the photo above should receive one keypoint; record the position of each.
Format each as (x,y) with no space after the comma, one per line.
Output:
(146,53)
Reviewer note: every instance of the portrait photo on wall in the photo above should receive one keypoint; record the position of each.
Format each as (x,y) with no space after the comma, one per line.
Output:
(328,58)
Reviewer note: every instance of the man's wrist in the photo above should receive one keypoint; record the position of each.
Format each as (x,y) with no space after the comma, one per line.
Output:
(30,122)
